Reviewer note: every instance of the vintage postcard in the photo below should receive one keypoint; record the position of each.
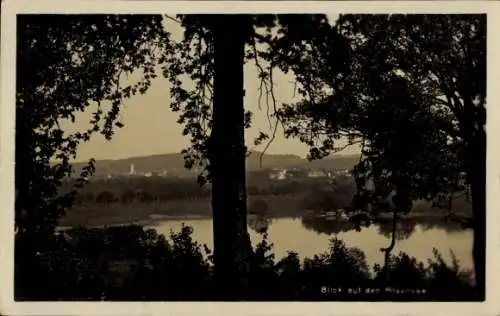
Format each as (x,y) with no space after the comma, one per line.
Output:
(264,158)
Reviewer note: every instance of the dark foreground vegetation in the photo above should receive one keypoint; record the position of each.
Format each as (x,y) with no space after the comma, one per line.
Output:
(132,264)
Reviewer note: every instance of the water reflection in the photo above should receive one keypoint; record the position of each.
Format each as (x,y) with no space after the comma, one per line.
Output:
(324,226)
(310,236)
(448,226)
(259,223)
(404,227)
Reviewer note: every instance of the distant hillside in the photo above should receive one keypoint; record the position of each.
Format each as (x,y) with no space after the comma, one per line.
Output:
(271,161)
(331,163)
(174,163)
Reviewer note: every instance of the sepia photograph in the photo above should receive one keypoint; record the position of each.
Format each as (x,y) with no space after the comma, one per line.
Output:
(247,156)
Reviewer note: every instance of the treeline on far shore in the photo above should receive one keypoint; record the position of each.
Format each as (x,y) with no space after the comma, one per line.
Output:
(184,196)
(149,189)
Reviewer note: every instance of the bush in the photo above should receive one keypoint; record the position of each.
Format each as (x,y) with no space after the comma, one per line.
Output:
(130,263)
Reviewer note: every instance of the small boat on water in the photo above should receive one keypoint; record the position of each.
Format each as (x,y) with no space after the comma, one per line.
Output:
(338,215)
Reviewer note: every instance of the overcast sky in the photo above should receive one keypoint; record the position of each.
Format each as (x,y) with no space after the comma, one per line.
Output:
(151,127)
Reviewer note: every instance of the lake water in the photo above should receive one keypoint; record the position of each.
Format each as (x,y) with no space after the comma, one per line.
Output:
(294,234)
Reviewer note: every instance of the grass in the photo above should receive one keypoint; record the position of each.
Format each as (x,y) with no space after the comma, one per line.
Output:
(95,214)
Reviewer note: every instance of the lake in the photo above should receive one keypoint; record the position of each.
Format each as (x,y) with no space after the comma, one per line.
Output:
(309,238)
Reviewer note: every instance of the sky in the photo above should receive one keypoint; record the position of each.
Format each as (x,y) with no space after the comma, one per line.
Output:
(151,127)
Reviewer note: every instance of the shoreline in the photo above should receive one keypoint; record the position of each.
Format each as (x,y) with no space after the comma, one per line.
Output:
(279,206)
(152,219)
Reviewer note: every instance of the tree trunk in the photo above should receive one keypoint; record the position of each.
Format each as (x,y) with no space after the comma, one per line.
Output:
(477,179)
(387,251)
(227,158)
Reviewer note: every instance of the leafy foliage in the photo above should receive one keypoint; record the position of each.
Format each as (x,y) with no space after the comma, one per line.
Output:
(67,64)
(381,84)
(189,68)
(390,92)
(411,91)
